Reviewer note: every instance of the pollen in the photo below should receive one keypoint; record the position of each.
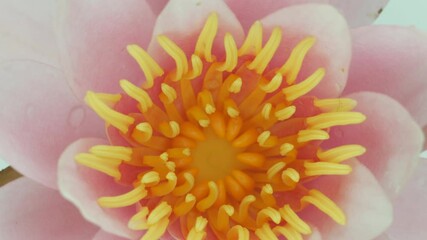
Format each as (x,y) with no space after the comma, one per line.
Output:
(213,143)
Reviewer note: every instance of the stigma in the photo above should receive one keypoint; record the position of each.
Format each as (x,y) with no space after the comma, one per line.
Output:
(221,138)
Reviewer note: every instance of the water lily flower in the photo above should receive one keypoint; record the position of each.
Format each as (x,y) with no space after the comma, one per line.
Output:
(214,120)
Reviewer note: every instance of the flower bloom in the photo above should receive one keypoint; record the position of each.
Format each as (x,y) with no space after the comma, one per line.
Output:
(233,135)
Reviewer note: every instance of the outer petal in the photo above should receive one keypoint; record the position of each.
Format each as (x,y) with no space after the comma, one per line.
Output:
(101,235)
(331,51)
(392,139)
(83,186)
(30,210)
(360,196)
(357,12)
(27,31)
(40,116)
(182,21)
(393,61)
(409,207)
(94,39)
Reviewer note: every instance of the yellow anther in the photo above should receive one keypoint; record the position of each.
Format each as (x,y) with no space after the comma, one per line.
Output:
(124,200)
(186,152)
(118,120)
(224,214)
(293,65)
(197,114)
(231,56)
(115,152)
(209,200)
(169,92)
(265,232)
(185,206)
(288,231)
(326,120)
(105,165)
(253,42)
(156,231)
(335,104)
(236,86)
(139,220)
(311,135)
(138,94)
(150,68)
(341,153)
(198,232)
(109,99)
(165,188)
(197,67)
(273,85)
(186,186)
(263,137)
(290,177)
(285,113)
(206,101)
(150,178)
(326,205)
(251,159)
(179,152)
(244,207)
(142,132)
(286,148)
(206,38)
(231,108)
(204,123)
(169,129)
(163,210)
(238,232)
(275,169)
(171,166)
(294,220)
(263,58)
(300,89)
(268,213)
(164,156)
(176,53)
(267,195)
(266,111)
(326,168)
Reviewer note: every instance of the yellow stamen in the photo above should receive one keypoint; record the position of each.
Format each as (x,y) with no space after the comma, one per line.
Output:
(236,86)
(105,165)
(206,38)
(137,93)
(150,68)
(326,168)
(115,152)
(335,104)
(266,111)
(186,186)
(198,231)
(273,85)
(285,113)
(311,135)
(286,148)
(341,153)
(124,200)
(156,231)
(292,219)
(208,201)
(253,42)
(142,132)
(206,101)
(176,53)
(118,120)
(224,214)
(139,220)
(109,99)
(150,178)
(288,232)
(265,232)
(163,189)
(230,53)
(293,65)
(275,169)
(197,67)
(263,58)
(169,129)
(185,206)
(197,114)
(244,207)
(295,91)
(326,120)
(163,210)
(267,195)
(231,108)
(326,205)
(266,140)
(169,92)
(237,232)
(290,177)
(268,213)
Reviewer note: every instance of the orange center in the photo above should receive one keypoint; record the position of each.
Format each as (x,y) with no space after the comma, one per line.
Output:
(215,157)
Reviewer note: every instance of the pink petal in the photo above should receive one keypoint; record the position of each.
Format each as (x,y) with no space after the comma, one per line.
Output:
(157,5)
(357,12)
(393,61)
(27,29)
(182,22)
(40,116)
(102,235)
(392,138)
(31,211)
(331,51)
(409,208)
(83,186)
(360,196)
(95,35)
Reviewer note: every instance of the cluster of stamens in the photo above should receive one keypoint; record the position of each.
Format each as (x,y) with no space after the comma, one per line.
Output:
(222,140)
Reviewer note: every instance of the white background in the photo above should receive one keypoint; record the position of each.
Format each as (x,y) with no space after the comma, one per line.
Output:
(397,12)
